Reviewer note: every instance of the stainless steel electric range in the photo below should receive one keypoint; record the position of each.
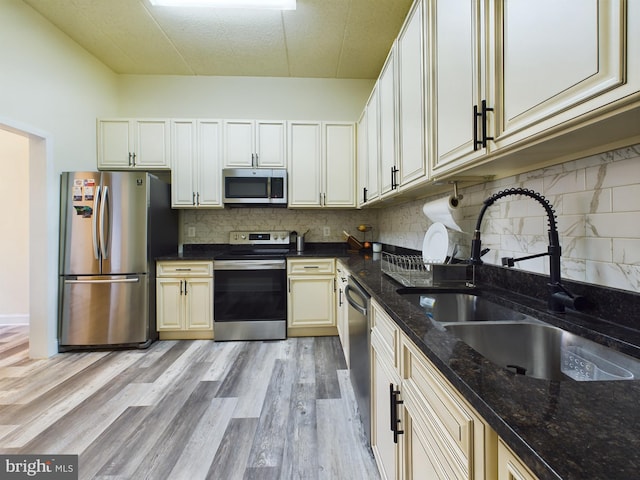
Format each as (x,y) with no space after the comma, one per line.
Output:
(250,287)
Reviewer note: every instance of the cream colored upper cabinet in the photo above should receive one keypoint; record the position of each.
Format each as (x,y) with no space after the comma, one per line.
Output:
(254,144)
(321,164)
(305,164)
(562,59)
(387,121)
(196,174)
(512,73)
(373,148)
(127,144)
(460,88)
(411,98)
(339,164)
(362,159)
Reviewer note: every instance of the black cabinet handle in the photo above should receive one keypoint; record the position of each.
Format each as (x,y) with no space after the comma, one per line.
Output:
(394,402)
(364,194)
(482,114)
(181,287)
(394,179)
(130,164)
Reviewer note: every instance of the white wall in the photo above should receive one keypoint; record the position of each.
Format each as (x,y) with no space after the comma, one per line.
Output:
(53,85)
(242,97)
(53,90)
(14,218)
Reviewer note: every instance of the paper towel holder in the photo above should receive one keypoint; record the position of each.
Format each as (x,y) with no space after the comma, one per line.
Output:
(456,197)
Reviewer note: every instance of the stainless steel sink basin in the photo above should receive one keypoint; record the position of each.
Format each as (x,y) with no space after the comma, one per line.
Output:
(461,307)
(540,350)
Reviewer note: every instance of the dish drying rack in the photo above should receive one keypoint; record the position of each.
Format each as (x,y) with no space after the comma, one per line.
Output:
(408,270)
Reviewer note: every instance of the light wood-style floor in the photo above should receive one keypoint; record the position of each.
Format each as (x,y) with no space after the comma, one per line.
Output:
(187,410)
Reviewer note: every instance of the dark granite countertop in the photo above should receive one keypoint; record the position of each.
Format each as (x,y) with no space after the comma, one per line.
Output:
(212,251)
(560,429)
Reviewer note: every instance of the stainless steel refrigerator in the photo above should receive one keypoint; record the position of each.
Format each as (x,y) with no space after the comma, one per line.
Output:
(112,227)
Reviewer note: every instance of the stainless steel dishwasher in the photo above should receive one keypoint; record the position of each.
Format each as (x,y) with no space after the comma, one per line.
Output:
(359,343)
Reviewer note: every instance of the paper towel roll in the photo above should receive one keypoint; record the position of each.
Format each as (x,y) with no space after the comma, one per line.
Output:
(444,210)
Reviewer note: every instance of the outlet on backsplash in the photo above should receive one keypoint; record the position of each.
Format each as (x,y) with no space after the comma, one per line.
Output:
(326,231)
(191,232)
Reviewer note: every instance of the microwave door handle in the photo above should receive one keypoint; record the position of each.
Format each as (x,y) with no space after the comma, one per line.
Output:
(94,223)
(104,247)
(268,187)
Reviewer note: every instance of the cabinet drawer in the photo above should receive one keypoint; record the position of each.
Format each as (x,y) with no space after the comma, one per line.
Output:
(184,268)
(312,266)
(445,414)
(385,330)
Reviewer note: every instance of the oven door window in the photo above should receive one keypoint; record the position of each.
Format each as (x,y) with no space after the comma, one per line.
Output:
(249,295)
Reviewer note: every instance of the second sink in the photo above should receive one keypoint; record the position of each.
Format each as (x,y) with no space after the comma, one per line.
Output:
(540,350)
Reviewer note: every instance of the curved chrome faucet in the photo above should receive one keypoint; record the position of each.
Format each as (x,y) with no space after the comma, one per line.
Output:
(559,296)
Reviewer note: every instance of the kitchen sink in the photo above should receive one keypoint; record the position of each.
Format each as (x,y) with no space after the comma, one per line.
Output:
(537,349)
(520,342)
(460,307)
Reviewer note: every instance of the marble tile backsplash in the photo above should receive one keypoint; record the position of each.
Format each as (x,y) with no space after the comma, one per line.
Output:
(597,202)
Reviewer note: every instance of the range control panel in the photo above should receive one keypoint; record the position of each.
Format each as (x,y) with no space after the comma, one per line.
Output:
(259,238)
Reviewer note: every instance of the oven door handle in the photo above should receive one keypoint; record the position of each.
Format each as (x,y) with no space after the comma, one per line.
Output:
(249,264)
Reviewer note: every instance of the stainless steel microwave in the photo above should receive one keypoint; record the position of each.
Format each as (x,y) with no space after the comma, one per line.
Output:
(255,186)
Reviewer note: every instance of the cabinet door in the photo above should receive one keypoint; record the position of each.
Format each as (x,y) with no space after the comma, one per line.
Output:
(552,67)
(152,149)
(385,450)
(170,308)
(209,180)
(115,145)
(311,301)
(422,455)
(457,60)
(198,298)
(271,149)
(510,467)
(411,98)
(387,107)
(305,164)
(362,159)
(339,165)
(184,154)
(373,152)
(239,150)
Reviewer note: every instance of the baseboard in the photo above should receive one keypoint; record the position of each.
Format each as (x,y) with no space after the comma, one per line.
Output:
(14,319)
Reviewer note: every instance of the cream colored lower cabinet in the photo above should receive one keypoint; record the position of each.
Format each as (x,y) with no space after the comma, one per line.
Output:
(440,436)
(385,382)
(184,299)
(510,467)
(311,301)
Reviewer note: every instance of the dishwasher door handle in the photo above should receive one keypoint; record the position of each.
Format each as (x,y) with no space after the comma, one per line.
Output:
(347,293)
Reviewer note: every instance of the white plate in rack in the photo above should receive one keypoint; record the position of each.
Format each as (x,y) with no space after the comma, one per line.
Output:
(436,244)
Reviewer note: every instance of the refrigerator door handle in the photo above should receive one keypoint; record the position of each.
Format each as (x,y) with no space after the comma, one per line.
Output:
(94,223)
(119,280)
(104,247)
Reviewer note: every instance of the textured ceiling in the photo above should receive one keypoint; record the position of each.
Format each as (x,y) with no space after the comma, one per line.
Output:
(321,38)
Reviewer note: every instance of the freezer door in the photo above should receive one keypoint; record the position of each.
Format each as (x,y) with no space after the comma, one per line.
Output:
(104,310)
(122,222)
(79,200)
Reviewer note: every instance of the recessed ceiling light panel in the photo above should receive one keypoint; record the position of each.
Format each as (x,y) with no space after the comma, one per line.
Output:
(262,4)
